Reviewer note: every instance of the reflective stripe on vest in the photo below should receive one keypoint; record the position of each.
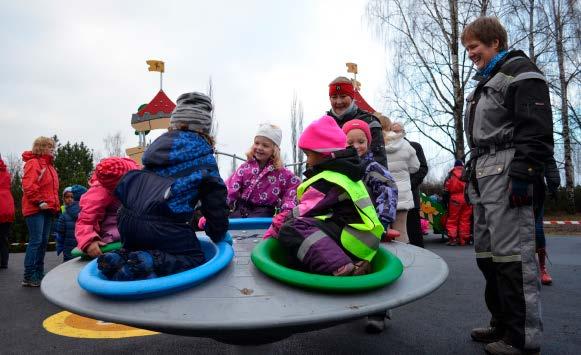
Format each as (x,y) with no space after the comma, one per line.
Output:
(360,239)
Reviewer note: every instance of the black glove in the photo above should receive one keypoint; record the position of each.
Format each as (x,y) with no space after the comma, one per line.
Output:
(520,193)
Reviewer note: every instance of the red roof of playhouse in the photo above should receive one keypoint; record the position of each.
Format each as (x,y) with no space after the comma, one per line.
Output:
(160,103)
(361,103)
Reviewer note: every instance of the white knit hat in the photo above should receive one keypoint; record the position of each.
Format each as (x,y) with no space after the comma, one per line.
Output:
(271,132)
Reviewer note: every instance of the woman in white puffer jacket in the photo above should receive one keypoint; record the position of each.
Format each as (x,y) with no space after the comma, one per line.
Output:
(402,161)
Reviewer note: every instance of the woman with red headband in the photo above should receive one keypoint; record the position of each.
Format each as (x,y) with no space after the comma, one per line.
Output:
(344,109)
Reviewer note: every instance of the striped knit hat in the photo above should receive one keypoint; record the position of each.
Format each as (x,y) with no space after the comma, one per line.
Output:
(195,110)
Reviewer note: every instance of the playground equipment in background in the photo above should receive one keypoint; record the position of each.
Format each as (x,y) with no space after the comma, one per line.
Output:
(432,209)
(154,115)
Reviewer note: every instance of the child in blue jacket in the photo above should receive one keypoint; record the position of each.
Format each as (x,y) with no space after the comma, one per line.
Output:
(179,169)
(65,225)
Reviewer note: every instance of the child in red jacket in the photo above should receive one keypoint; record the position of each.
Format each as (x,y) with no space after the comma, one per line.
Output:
(97,222)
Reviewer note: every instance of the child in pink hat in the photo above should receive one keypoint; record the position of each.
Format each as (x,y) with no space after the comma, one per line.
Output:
(326,233)
(378,180)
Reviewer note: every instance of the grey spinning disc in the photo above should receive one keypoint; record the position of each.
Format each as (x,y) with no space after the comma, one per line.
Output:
(241,305)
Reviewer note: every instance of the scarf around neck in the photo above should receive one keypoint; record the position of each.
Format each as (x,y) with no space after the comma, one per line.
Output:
(349,111)
(485,73)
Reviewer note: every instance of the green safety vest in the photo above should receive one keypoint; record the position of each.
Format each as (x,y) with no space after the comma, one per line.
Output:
(360,239)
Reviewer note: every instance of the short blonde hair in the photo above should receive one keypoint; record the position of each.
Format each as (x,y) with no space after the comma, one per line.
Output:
(276,159)
(385,122)
(42,145)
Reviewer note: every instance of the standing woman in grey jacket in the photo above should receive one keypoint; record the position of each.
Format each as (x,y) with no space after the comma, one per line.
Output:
(402,161)
(509,129)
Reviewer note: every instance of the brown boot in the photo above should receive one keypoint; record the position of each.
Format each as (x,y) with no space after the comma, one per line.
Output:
(486,334)
(546,279)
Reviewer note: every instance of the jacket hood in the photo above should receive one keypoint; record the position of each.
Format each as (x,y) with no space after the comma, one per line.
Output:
(93,181)
(73,209)
(2,165)
(28,155)
(346,162)
(394,145)
(457,171)
(175,148)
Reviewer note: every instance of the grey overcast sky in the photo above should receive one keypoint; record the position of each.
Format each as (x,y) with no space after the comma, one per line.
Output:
(77,68)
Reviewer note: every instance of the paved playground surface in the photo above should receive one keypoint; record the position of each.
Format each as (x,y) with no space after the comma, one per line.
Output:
(437,324)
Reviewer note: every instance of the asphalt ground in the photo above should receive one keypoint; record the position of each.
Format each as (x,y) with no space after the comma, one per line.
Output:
(437,324)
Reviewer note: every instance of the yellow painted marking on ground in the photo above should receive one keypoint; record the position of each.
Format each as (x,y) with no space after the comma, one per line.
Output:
(72,325)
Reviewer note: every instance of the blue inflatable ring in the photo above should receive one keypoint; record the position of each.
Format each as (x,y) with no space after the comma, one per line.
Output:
(218,256)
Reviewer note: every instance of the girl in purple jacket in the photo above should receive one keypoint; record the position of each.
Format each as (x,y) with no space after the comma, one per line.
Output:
(380,184)
(262,186)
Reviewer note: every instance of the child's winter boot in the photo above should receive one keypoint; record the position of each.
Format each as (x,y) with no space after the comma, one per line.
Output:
(110,263)
(141,263)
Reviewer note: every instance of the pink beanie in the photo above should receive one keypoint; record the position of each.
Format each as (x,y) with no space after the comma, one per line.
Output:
(358,124)
(323,136)
(110,170)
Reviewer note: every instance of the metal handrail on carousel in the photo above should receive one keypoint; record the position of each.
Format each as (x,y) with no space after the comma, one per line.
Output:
(235,157)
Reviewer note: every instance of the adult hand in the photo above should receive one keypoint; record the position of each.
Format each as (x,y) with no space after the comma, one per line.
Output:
(94,249)
(520,193)
(43,206)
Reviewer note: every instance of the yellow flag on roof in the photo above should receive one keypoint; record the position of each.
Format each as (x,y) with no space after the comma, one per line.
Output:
(156,65)
(351,68)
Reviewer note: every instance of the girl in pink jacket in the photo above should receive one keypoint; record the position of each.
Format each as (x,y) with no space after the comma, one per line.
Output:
(262,185)
(97,222)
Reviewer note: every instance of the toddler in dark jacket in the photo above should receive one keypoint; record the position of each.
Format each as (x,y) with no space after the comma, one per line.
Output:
(179,170)
(65,225)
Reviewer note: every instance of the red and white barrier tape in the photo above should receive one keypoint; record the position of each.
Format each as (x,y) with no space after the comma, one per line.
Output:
(561,222)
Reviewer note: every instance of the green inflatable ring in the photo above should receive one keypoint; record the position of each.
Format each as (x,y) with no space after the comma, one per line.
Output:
(270,258)
(105,248)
